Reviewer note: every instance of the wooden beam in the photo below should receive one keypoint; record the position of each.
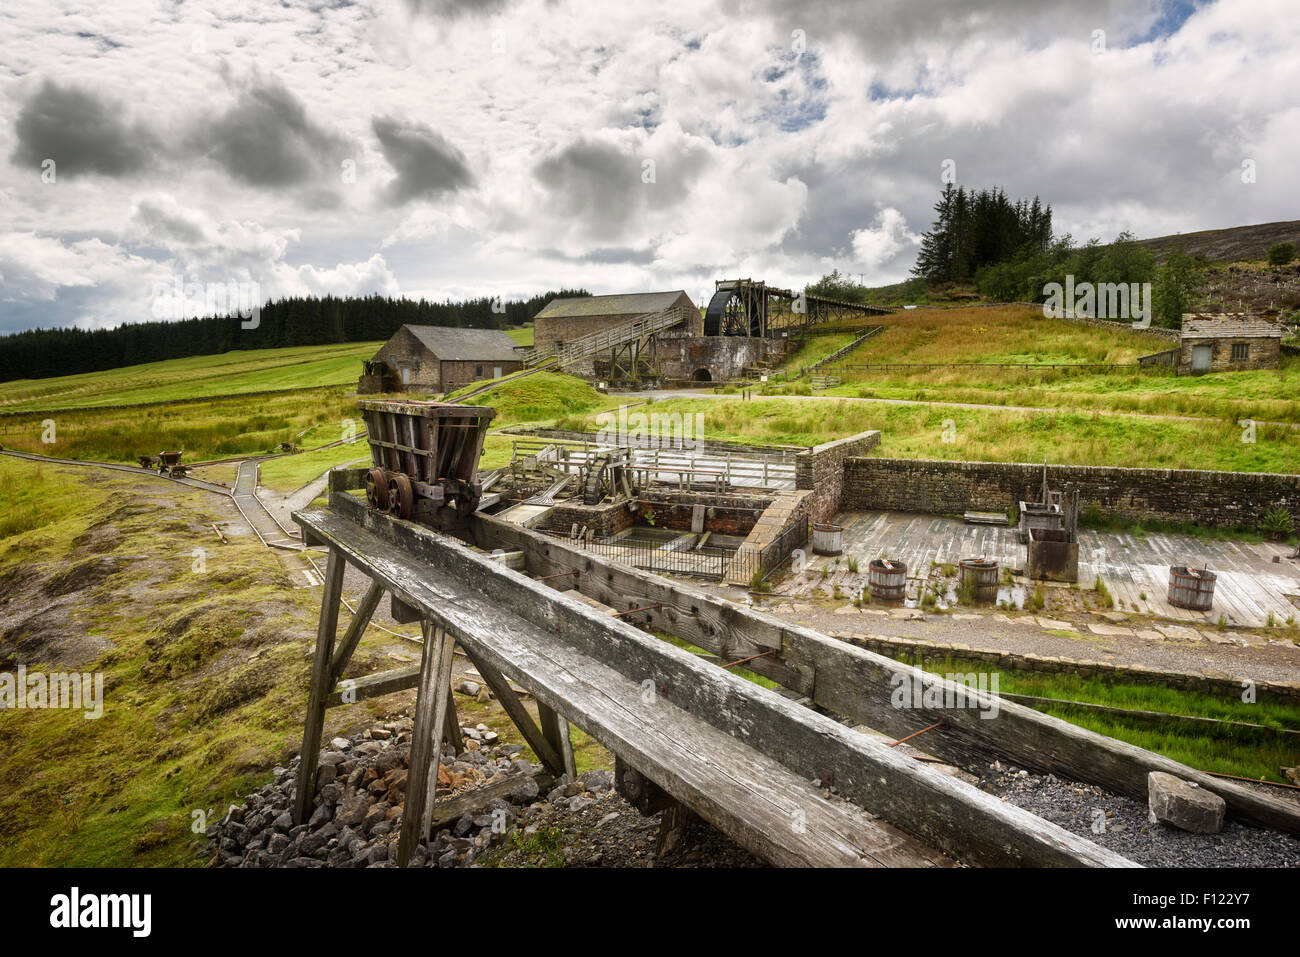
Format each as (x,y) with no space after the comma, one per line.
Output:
(556,728)
(401,612)
(373,686)
(538,741)
(451,725)
(426,739)
(314,722)
(356,627)
(449,810)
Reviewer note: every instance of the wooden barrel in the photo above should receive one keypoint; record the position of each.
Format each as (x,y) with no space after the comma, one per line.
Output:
(1191,588)
(887,580)
(827,539)
(979,578)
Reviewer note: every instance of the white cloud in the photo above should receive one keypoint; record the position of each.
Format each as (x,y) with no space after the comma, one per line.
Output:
(880,244)
(766,165)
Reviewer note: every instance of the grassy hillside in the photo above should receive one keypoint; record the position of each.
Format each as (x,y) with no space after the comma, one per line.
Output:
(258,370)
(1013,334)
(207,428)
(917,431)
(203,671)
(1227,245)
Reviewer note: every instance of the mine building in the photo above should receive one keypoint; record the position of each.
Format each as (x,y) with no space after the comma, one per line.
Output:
(439,359)
(1228,343)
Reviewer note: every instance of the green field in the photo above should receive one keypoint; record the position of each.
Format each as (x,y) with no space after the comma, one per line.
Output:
(231,373)
(291,472)
(204,429)
(522,337)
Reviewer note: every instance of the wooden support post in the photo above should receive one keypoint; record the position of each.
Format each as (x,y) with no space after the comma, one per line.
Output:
(426,739)
(314,725)
(348,644)
(451,725)
(534,735)
(556,728)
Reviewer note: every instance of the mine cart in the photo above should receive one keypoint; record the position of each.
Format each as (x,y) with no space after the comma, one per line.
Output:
(424,451)
(169,463)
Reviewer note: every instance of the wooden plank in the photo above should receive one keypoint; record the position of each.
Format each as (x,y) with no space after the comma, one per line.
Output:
(356,627)
(451,735)
(538,741)
(426,739)
(373,686)
(738,754)
(314,722)
(556,728)
(449,810)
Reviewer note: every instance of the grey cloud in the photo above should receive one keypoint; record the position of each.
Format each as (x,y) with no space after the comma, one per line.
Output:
(426,163)
(267,139)
(454,9)
(599,186)
(81,132)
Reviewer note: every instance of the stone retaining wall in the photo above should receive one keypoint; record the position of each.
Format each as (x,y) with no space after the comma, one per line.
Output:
(1225,499)
(821,470)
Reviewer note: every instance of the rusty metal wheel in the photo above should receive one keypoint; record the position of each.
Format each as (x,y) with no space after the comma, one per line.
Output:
(377,489)
(401,497)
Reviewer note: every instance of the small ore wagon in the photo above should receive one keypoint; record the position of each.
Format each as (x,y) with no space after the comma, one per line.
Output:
(424,450)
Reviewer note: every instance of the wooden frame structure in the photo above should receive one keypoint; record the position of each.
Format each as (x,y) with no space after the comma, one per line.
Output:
(738,755)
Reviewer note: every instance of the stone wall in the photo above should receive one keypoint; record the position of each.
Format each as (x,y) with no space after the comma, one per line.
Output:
(724,514)
(603,520)
(788,510)
(821,470)
(1173,495)
(723,358)
(404,349)
(461,372)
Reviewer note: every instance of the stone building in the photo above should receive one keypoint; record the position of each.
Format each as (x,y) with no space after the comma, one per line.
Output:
(563,320)
(439,359)
(1227,343)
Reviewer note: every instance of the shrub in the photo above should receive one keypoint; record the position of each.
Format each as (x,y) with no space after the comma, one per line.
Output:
(1277,523)
(1279,254)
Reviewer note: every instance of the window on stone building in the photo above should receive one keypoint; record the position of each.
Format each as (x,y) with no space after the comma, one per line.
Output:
(1240,352)
(478,371)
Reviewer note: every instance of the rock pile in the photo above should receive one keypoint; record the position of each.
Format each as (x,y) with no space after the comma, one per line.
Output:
(361,790)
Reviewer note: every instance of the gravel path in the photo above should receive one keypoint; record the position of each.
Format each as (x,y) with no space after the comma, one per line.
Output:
(1120,824)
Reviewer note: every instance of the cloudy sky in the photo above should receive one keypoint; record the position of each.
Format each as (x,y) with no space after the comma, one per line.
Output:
(449,148)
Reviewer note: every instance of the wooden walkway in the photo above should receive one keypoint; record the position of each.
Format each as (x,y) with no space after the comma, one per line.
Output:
(1250,585)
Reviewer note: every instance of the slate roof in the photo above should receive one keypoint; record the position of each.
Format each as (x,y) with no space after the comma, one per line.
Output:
(1229,326)
(618,305)
(476,345)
